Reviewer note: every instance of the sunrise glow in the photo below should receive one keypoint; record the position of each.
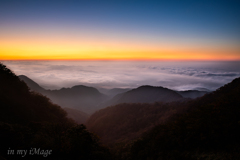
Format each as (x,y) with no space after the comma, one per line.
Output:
(110,31)
(43,49)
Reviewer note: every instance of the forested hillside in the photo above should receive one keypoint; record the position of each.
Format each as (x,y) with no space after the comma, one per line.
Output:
(29,120)
(78,116)
(204,128)
(209,131)
(127,121)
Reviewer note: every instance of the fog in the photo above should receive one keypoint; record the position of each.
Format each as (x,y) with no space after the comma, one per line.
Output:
(127,74)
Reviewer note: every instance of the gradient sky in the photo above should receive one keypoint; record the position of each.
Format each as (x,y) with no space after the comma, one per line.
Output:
(146,30)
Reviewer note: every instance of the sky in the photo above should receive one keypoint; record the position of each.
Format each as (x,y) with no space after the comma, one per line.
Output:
(120,30)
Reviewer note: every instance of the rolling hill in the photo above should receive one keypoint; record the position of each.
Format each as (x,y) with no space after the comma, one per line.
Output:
(192,93)
(83,98)
(209,131)
(125,121)
(204,128)
(144,94)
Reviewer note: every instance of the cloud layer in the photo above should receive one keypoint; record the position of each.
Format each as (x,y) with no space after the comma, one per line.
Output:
(127,74)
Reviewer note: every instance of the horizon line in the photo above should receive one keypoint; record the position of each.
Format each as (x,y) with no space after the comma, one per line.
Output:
(140,59)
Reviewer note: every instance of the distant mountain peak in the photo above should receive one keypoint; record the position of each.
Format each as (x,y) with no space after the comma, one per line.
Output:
(86,89)
(82,87)
(80,97)
(31,84)
(145,94)
(148,86)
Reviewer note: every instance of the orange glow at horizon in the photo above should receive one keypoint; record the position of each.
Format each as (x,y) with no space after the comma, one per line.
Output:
(109,50)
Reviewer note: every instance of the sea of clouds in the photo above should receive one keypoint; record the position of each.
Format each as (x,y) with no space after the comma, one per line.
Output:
(128,74)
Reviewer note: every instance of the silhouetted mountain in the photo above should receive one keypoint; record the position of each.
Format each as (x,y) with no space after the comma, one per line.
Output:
(86,99)
(78,116)
(192,93)
(210,130)
(145,94)
(149,94)
(175,129)
(28,121)
(133,116)
(31,84)
(19,105)
(127,121)
(201,123)
(83,98)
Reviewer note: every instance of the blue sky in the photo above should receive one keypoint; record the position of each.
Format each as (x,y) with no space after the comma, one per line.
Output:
(202,24)
(215,18)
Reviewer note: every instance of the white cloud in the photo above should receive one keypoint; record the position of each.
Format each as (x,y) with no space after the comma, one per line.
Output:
(111,74)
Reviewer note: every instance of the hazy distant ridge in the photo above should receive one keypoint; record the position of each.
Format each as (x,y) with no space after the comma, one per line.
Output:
(89,99)
(80,97)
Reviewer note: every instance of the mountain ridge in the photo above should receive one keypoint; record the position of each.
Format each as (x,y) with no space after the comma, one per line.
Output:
(144,94)
(29,120)
(89,99)
(210,130)
(125,122)
(79,96)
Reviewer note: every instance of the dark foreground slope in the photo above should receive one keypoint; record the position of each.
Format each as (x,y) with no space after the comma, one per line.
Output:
(136,112)
(29,121)
(210,131)
(19,105)
(124,122)
(205,128)
(78,116)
